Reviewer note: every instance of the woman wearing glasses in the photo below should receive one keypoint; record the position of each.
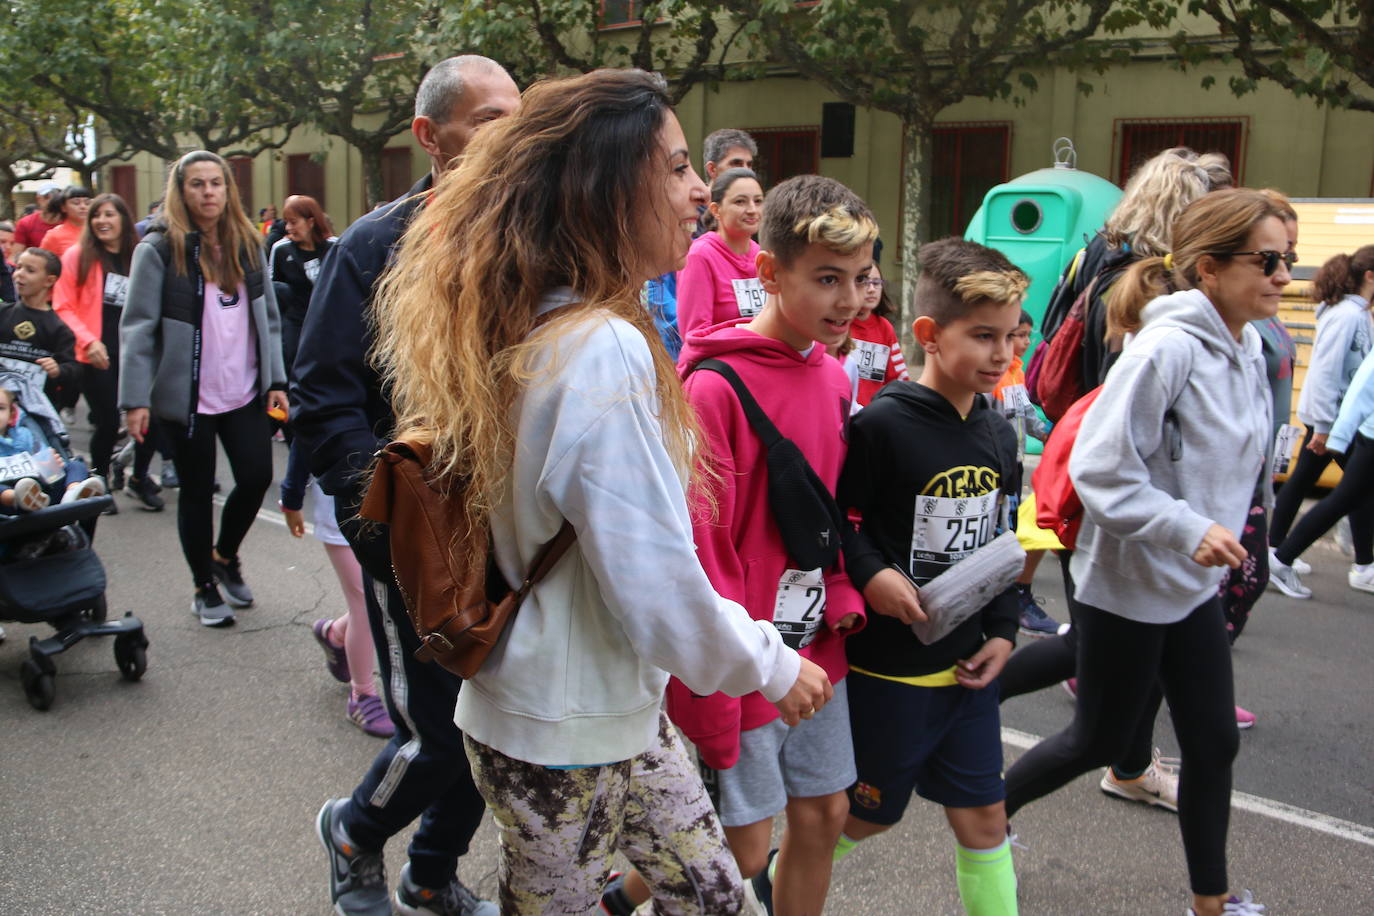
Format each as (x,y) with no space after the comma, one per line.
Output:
(720,280)
(1343,288)
(1166,463)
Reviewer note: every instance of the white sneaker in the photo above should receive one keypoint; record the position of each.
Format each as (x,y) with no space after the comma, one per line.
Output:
(85,489)
(1285,579)
(1301,566)
(1243,905)
(1361,579)
(1158,785)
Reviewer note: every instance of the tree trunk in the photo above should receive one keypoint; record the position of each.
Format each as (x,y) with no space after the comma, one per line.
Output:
(87,178)
(371,152)
(7,184)
(917,162)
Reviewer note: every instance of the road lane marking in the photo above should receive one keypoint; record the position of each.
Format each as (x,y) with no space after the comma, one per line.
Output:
(1243,801)
(267,515)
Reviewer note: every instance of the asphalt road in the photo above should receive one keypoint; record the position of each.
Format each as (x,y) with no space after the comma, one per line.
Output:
(194,791)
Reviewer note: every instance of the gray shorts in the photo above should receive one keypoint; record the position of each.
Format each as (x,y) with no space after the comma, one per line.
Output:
(777,763)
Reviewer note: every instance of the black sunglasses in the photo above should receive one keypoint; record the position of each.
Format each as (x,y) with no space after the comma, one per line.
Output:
(1271,258)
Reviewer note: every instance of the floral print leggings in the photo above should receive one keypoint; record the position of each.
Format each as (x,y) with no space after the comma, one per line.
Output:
(560,828)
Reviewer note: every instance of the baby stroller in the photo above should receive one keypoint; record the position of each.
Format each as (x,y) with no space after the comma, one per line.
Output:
(48,571)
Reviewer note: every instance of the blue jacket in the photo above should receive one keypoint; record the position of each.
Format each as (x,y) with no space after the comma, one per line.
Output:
(1357,410)
(339,408)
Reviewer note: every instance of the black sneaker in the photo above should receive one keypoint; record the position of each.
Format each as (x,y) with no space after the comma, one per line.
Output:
(454,900)
(209,606)
(227,574)
(145,491)
(116,478)
(763,885)
(357,878)
(170,481)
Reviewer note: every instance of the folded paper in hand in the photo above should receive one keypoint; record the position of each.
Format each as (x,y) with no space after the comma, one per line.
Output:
(968,586)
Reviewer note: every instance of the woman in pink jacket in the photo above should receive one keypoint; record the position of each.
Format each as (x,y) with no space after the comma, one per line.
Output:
(89,297)
(720,281)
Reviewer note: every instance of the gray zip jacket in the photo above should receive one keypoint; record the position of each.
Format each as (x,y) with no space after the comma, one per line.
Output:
(1343,341)
(159,331)
(1178,439)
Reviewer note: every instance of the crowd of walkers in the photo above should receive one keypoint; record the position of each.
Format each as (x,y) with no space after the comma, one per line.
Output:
(777,528)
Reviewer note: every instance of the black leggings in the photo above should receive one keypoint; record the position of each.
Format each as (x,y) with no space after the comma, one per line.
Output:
(1303,478)
(1118,662)
(1045,662)
(1353,496)
(247,438)
(101,388)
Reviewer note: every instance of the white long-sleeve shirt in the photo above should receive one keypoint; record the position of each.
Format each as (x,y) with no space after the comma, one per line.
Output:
(579,674)
(1344,337)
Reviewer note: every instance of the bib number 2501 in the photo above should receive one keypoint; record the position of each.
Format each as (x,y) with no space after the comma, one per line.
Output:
(800,606)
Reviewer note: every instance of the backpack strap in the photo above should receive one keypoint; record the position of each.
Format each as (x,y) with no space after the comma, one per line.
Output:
(752,411)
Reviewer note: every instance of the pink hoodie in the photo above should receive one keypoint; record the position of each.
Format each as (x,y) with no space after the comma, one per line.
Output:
(717,285)
(807,398)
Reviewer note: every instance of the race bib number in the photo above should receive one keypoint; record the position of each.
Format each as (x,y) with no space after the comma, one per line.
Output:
(947,529)
(1015,398)
(1287,439)
(749,296)
(312,269)
(116,290)
(872,360)
(800,606)
(43,466)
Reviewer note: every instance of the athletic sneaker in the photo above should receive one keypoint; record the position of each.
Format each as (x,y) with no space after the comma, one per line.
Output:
(145,491)
(228,574)
(1158,785)
(763,885)
(1034,621)
(357,878)
(1285,579)
(89,488)
(335,659)
(614,901)
(1361,579)
(1070,687)
(1301,566)
(454,900)
(1243,905)
(170,481)
(29,496)
(368,713)
(209,606)
(1244,718)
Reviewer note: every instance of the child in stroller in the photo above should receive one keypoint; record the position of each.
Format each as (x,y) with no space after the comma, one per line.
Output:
(48,571)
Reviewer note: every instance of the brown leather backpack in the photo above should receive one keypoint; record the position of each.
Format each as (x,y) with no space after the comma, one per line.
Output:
(444,564)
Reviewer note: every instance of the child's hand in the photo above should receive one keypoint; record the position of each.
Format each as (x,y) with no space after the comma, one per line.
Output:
(49,365)
(295,520)
(1219,547)
(892,594)
(981,670)
(847,622)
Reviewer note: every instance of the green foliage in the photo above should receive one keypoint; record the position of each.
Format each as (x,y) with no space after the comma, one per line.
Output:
(1320,49)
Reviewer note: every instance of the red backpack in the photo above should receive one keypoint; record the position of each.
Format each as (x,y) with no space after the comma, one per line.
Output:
(1057,506)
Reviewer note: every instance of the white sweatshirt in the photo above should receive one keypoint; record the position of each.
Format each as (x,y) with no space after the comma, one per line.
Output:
(1343,341)
(579,675)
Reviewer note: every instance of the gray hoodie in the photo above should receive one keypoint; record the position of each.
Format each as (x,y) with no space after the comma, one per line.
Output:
(1179,439)
(1343,341)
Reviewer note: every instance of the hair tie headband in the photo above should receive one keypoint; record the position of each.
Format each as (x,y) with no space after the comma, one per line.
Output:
(1169,261)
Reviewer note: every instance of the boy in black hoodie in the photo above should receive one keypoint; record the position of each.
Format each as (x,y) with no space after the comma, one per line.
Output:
(30,330)
(927,463)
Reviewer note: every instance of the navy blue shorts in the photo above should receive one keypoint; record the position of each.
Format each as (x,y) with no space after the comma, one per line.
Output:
(943,743)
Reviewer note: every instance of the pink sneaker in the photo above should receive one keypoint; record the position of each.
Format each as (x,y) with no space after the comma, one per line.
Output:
(369,714)
(1070,687)
(1244,718)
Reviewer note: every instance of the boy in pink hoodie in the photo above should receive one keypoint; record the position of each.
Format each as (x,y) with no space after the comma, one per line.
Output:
(817,250)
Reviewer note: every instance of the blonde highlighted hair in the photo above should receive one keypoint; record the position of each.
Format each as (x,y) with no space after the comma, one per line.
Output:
(813,210)
(560,193)
(1217,223)
(957,276)
(1154,197)
(236,233)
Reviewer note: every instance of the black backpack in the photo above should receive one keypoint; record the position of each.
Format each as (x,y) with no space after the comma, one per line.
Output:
(806,513)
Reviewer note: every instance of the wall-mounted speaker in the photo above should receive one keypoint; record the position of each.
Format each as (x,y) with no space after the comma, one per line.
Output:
(837,130)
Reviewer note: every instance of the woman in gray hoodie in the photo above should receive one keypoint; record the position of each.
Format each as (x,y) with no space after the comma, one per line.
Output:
(1166,464)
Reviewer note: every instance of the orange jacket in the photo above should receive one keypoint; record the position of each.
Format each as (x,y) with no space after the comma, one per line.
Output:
(81,306)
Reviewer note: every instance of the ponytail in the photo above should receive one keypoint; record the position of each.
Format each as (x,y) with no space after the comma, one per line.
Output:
(1341,275)
(1143,281)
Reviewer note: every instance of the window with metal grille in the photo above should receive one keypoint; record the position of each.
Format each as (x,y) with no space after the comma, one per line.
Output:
(785,152)
(242,169)
(969,160)
(621,12)
(305,175)
(124,182)
(1142,139)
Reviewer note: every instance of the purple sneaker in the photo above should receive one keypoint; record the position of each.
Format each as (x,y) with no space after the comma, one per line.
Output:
(368,713)
(334,657)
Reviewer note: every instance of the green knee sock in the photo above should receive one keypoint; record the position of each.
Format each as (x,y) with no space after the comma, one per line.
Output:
(844,847)
(987,881)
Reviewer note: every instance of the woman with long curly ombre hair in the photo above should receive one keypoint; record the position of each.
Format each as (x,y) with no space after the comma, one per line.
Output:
(512,337)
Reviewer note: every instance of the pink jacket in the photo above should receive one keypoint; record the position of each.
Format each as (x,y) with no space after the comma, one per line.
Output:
(706,291)
(807,398)
(80,306)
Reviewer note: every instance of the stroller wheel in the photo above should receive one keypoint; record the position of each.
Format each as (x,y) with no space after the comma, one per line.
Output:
(131,655)
(40,687)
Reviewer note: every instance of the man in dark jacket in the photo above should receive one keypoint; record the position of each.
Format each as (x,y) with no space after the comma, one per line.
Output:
(342,413)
